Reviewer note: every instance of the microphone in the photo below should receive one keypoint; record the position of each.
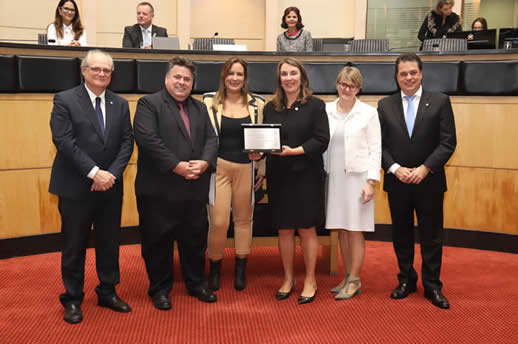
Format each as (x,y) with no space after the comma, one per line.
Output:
(214,35)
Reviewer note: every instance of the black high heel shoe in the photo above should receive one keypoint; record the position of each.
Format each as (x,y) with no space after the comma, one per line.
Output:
(280,295)
(306,299)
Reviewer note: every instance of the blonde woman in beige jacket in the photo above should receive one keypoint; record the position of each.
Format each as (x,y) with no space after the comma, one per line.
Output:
(233,184)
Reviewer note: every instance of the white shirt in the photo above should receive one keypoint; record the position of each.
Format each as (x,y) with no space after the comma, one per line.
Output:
(68,36)
(415,101)
(92,96)
(146,35)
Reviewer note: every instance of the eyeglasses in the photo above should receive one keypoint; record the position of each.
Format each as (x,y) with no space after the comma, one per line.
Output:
(98,70)
(347,86)
(68,9)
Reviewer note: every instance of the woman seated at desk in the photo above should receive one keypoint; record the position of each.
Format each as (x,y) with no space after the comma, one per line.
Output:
(294,39)
(67,28)
(479,24)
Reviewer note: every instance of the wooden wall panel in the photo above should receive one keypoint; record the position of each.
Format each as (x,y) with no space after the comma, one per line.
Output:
(26,208)
(25,132)
(486,132)
(482,199)
(129,203)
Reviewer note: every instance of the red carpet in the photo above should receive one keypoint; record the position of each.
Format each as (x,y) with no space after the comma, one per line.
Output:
(481,286)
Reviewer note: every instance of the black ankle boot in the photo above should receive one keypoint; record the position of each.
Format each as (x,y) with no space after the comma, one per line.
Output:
(240,273)
(214,274)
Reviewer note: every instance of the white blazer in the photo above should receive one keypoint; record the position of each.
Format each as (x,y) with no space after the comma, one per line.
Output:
(362,138)
(68,36)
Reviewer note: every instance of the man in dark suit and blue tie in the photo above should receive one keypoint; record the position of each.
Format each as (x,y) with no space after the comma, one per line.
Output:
(418,138)
(177,153)
(91,129)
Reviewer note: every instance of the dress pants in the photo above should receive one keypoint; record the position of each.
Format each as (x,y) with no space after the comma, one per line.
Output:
(233,191)
(162,222)
(103,210)
(428,207)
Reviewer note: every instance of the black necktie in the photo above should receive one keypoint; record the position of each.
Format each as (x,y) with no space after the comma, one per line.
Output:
(99,113)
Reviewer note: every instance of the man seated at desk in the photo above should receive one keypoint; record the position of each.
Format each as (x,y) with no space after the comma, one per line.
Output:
(141,34)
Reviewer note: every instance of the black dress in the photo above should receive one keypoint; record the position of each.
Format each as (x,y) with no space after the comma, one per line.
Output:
(296,183)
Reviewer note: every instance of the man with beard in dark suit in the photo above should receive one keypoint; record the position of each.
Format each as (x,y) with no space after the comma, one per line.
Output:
(418,138)
(91,129)
(177,153)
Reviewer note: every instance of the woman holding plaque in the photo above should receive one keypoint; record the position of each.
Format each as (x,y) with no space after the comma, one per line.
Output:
(231,185)
(295,176)
(353,163)
(67,28)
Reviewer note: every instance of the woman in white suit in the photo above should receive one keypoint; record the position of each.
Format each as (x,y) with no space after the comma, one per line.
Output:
(353,162)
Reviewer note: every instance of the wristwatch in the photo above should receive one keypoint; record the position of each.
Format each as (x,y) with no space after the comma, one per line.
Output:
(371,182)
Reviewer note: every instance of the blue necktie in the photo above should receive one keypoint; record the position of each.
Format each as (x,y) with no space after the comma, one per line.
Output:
(99,113)
(410,114)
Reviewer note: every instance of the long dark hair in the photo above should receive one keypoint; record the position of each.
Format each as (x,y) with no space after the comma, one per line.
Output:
(77,27)
(482,21)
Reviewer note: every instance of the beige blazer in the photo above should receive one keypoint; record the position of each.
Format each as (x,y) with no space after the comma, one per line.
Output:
(255,109)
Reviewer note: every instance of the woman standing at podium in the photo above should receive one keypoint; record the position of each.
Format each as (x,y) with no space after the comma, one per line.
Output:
(232,185)
(295,38)
(67,28)
(439,21)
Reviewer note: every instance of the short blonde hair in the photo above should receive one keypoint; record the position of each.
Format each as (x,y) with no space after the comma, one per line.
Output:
(351,74)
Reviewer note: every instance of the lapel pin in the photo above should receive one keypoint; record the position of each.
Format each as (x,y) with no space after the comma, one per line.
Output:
(296,108)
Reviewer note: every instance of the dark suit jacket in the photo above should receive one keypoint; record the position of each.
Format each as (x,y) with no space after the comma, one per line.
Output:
(133,35)
(432,143)
(163,142)
(80,144)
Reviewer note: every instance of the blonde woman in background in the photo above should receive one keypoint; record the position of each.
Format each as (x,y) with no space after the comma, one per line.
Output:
(440,21)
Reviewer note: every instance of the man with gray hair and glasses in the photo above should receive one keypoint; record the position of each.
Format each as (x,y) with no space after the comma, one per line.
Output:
(92,132)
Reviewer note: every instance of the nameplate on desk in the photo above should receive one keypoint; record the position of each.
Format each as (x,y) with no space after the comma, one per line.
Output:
(230,47)
(262,137)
